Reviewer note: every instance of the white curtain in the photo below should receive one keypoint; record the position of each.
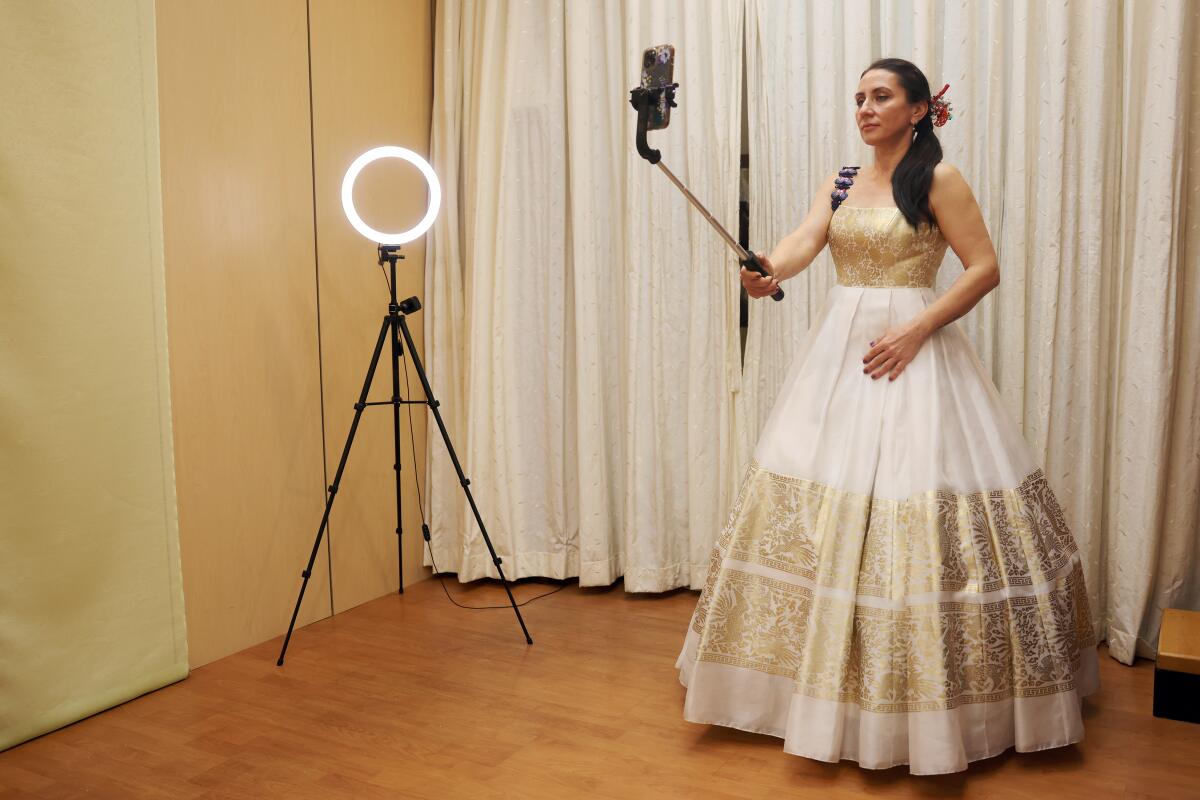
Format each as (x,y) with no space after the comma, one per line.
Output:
(1071,125)
(581,320)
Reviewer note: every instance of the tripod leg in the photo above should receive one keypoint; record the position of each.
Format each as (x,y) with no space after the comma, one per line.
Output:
(337,479)
(462,478)
(395,335)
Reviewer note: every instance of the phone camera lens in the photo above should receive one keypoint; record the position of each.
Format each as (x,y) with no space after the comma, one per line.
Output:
(648,61)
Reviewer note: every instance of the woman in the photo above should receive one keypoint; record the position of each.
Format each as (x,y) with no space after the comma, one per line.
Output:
(896,583)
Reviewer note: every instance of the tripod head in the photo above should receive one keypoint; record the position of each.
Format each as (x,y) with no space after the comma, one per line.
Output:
(645,101)
(389,254)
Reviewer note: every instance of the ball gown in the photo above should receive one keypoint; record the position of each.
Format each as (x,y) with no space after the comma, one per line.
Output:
(896,582)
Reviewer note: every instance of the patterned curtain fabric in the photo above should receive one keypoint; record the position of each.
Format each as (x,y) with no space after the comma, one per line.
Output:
(581,319)
(1071,124)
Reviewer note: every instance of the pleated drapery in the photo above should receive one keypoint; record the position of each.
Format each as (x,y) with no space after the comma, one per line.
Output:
(582,322)
(1071,124)
(581,318)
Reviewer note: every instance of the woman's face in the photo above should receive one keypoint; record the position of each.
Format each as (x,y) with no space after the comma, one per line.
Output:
(884,112)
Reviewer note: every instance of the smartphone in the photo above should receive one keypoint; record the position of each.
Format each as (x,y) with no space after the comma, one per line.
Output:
(658,69)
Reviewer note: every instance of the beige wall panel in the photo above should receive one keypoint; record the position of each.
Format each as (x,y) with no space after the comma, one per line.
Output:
(372,85)
(242,314)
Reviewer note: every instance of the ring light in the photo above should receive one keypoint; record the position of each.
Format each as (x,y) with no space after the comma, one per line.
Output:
(374,154)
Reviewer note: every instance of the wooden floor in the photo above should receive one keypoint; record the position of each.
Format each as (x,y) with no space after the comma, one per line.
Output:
(411,697)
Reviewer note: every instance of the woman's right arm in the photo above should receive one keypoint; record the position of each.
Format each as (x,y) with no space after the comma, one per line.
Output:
(797,250)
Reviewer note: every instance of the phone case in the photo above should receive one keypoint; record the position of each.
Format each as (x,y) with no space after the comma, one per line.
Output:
(658,69)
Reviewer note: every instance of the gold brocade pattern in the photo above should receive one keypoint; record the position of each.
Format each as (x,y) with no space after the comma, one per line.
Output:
(908,650)
(877,247)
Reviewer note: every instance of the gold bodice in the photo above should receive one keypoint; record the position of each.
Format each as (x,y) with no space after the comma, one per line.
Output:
(875,246)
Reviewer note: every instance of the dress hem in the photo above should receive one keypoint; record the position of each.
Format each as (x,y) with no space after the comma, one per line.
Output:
(861,765)
(685,666)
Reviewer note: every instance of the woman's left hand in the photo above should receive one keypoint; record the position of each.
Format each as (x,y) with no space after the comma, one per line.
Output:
(892,352)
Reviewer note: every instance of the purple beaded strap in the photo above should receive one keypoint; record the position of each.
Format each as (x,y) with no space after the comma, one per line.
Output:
(843,182)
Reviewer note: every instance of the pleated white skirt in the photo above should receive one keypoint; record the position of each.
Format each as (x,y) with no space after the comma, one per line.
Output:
(896,583)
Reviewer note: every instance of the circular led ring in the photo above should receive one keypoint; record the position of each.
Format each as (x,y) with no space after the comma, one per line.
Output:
(390,151)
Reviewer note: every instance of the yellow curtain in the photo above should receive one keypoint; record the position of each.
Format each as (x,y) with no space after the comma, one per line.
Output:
(91,602)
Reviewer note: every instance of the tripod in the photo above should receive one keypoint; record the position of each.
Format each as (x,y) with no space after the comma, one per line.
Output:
(396,323)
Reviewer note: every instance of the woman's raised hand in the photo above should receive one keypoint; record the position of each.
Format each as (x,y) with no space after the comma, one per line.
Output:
(756,285)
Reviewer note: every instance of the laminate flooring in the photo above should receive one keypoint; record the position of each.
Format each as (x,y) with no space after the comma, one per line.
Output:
(409,696)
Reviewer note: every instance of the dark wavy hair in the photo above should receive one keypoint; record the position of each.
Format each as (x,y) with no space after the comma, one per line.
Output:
(914,173)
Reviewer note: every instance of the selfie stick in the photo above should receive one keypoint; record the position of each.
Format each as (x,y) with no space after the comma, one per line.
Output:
(645,101)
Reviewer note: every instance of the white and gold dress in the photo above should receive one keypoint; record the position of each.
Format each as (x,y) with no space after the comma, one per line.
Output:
(896,583)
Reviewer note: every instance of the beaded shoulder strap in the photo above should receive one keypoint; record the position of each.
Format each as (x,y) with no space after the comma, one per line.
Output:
(842,182)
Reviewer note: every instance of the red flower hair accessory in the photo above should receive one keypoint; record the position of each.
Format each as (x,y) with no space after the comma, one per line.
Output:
(939,109)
